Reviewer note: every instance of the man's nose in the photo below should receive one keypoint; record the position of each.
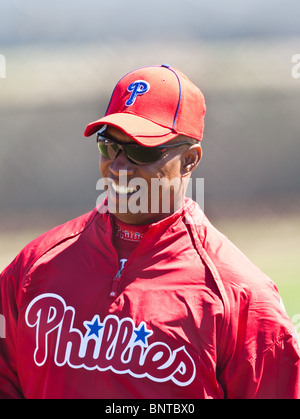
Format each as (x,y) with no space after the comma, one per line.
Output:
(121,163)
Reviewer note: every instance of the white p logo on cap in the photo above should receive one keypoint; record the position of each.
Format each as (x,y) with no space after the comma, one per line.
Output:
(138,88)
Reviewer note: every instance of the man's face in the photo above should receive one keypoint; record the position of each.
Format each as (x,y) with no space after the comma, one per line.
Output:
(143,194)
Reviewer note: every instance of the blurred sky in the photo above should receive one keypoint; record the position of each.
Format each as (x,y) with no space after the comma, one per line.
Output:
(64,56)
(35,21)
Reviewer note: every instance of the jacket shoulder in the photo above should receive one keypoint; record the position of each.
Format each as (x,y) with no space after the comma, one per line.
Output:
(47,241)
(238,279)
(231,264)
(246,291)
(257,332)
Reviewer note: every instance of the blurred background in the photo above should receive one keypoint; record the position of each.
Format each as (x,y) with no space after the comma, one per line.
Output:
(62,60)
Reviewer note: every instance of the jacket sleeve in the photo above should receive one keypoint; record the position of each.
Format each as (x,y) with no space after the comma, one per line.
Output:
(272,375)
(9,383)
(11,281)
(258,350)
(262,357)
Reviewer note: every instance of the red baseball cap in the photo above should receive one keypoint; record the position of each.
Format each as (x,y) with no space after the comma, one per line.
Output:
(154,104)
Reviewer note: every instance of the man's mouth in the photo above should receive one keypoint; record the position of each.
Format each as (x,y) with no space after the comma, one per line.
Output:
(123,190)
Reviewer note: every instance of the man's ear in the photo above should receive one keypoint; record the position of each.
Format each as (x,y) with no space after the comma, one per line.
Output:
(191,159)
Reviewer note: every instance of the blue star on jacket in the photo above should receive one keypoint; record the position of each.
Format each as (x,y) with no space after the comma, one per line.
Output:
(94,326)
(142,334)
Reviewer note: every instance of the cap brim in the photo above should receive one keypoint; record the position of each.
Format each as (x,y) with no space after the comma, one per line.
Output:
(141,130)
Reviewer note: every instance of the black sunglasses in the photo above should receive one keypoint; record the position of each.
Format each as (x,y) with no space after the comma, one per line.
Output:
(135,153)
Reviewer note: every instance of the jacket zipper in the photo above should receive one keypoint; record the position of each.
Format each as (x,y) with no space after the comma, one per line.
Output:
(116,280)
(115,284)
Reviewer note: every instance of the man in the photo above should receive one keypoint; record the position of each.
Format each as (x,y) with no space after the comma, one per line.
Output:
(139,298)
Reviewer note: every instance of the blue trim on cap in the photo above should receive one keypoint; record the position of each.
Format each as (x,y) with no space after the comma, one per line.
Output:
(179,100)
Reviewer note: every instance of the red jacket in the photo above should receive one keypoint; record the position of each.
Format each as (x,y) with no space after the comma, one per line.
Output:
(192,318)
